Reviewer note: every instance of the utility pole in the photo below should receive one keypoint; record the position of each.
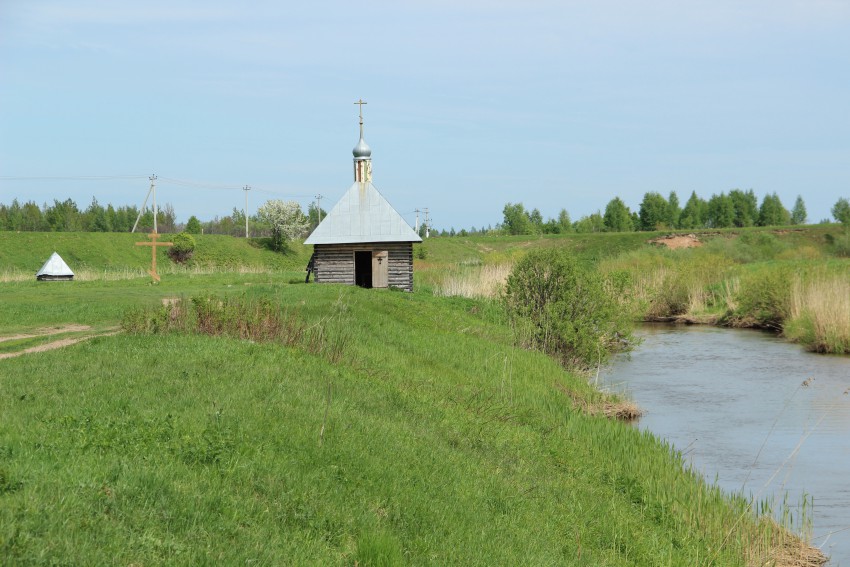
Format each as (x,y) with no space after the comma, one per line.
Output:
(153,189)
(246,189)
(427,224)
(145,204)
(319,203)
(416,230)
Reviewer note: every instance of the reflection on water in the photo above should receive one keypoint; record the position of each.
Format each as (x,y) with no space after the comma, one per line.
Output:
(753,411)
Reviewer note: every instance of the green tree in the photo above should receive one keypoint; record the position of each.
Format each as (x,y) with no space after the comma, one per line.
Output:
(772,213)
(536,219)
(31,217)
(693,214)
(674,211)
(193,225)
(617,216)
(746,207)
(516,219)
(841,212)
(563,309)
(720,212)
(653,211)
(565,225)
(589,223)
(63,216)
(315,215)
(798,213)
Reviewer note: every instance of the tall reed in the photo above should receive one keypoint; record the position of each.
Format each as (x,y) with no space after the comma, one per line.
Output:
(474,281)
(820,312)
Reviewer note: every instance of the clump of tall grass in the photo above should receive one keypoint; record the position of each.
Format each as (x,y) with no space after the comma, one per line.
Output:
(246,318)
(10,275)
(750,246)
(87,274)
(473,281)
(763,299)
(820,313)
(670,283)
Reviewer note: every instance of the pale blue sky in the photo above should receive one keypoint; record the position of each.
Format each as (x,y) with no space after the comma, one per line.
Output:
(471,104)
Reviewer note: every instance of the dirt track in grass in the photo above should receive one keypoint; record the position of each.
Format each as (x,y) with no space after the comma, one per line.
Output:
(59,343)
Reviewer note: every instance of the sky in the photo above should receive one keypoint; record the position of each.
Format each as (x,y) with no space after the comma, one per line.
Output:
(471,104)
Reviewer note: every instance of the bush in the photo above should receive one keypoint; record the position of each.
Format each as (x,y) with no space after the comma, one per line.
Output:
(564,310)
(841,244)
(183,249)
(764,300)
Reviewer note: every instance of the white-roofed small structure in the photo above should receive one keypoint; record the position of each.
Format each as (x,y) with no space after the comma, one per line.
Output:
(55,269)
(363,240)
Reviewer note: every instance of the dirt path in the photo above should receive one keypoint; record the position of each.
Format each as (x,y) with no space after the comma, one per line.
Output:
(57,343)
(47,331)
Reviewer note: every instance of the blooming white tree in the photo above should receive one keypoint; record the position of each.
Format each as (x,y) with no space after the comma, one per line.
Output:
(286,220)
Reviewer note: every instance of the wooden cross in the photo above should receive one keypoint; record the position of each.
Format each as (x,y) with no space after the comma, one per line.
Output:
(153,236)
(361,102)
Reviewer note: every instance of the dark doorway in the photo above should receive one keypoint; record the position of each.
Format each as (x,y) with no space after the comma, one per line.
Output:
(363,268)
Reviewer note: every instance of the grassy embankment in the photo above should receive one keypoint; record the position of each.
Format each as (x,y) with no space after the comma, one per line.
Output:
(114,256)
(392,428)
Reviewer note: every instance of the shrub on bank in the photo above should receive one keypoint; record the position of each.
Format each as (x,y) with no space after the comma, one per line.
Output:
(763,299)
(563,309)
(183,248)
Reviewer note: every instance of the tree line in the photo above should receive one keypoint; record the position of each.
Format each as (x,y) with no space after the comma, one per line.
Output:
(727,210)
(67,216)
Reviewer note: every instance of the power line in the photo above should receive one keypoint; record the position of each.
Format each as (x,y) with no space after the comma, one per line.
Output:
(71,178)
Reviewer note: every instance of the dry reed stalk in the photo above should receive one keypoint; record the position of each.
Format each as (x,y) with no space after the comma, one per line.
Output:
(611,409)
(731,288)
(697,298)
(10,276)
(780,548)
(474,281)
(825,301)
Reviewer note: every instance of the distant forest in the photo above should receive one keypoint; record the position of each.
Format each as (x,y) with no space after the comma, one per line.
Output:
(66,216)
(736,208)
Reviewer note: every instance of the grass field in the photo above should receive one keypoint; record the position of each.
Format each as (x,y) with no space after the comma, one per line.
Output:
(393,429)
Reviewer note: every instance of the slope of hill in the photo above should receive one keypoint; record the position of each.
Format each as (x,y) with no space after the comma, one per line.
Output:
(99,251)
(365,427)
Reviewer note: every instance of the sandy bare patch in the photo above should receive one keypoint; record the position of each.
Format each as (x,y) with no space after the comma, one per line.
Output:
(676,241)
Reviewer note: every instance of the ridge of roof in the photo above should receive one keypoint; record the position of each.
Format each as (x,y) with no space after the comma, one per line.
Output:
(362,215)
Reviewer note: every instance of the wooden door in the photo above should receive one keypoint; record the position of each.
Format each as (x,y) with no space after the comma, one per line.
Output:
(380,268)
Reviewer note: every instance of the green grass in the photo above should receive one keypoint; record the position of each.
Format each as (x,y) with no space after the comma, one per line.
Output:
(27,251)
(443,444)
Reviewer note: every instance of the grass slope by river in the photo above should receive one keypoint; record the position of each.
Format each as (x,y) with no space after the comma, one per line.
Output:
(399,428)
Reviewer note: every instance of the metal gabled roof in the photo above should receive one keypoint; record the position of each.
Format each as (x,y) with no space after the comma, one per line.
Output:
(362,215)
(55,266)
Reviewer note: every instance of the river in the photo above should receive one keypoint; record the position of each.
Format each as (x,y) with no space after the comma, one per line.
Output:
(753,412)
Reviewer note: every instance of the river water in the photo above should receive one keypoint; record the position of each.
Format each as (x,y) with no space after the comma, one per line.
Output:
(757,414)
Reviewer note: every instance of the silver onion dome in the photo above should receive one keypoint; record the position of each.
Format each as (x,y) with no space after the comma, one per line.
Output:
(361,150)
